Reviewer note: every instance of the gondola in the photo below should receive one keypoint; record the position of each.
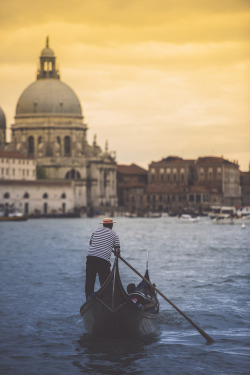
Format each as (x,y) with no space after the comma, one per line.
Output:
(112,313)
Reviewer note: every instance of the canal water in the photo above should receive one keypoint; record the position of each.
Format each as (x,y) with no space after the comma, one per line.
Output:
(201,267)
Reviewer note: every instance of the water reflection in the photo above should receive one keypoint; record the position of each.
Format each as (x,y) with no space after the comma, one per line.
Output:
(112,356)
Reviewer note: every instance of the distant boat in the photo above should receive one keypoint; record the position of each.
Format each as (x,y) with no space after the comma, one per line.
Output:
(13,216)
(222,212)
(189,218)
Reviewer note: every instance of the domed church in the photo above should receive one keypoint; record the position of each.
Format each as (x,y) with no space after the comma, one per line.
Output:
(49,126)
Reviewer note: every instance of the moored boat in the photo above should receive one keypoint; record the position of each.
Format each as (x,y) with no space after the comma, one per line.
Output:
(13,216)
(189,218)
(111,312)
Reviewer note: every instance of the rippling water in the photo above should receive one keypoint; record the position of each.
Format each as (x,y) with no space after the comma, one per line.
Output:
(201,267)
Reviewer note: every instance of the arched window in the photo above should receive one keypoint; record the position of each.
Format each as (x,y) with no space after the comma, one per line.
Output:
(63,196)
(45,196)
(26,208)
(31,145)
(67,150)
(26,195)
(72,175)
(39,140)
(6,195)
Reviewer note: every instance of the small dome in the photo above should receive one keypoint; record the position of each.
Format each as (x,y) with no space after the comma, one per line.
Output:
(2,119)
(48,97)
(47,52)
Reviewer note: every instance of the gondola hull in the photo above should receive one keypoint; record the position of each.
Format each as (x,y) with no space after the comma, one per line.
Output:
(110,314)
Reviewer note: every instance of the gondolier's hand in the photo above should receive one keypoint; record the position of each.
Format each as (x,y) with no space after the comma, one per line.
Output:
(117,251)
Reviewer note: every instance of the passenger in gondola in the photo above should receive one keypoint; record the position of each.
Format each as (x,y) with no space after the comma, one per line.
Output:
(102,242)
(143,297)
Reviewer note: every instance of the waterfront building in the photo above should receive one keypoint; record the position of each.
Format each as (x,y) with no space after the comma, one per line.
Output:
(222,178)
(245,188)
(176,185)
(131,188)
(49,127)
(16,166)
(40,197)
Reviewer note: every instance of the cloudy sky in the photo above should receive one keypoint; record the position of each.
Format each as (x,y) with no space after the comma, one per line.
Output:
(155,77)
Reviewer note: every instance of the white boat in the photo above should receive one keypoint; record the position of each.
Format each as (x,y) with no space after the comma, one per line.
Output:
(189,218)
(222,212)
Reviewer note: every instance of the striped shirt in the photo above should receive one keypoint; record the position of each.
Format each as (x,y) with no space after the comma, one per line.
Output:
(102,242)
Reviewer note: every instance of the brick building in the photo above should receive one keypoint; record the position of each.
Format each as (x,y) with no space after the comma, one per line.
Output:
(176,185)
(131,187)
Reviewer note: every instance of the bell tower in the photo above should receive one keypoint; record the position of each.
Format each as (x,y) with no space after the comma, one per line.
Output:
(47,63)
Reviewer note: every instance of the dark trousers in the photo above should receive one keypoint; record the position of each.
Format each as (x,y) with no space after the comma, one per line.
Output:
(95,265)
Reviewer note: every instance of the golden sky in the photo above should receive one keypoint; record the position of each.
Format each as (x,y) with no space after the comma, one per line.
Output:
(155,77)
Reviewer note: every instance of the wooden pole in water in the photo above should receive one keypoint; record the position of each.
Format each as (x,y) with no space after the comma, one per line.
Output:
(203,333)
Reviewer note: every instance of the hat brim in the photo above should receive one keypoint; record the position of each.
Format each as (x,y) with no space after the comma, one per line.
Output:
(108,223)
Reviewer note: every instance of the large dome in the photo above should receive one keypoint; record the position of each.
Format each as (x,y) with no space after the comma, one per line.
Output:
(48,97)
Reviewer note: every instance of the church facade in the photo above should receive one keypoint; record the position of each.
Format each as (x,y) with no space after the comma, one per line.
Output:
(49,127)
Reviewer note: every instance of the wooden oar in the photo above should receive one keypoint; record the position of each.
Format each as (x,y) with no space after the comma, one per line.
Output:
(204,334)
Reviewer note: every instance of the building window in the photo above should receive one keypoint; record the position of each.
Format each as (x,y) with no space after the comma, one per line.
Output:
(45,208)
(26,195)
(201,173)
(218,173)
(31,145)
(6,195)
(198,198)
(63,208)
(45,196)
(162,174)
(67,149)
(72,175)
(63,196)
(182,174)
(26,208)
(210,174)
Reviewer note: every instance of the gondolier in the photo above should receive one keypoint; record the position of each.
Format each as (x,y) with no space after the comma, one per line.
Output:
(102,242)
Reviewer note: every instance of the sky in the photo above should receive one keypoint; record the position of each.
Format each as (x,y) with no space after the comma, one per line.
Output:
(154,77)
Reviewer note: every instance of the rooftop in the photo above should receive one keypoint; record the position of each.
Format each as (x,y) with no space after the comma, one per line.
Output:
(131,169)
(14,155)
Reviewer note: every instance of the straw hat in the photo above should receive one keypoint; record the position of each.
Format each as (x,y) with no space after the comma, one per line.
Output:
(108,220)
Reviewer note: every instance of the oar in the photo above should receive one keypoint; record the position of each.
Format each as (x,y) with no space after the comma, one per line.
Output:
(204,334)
